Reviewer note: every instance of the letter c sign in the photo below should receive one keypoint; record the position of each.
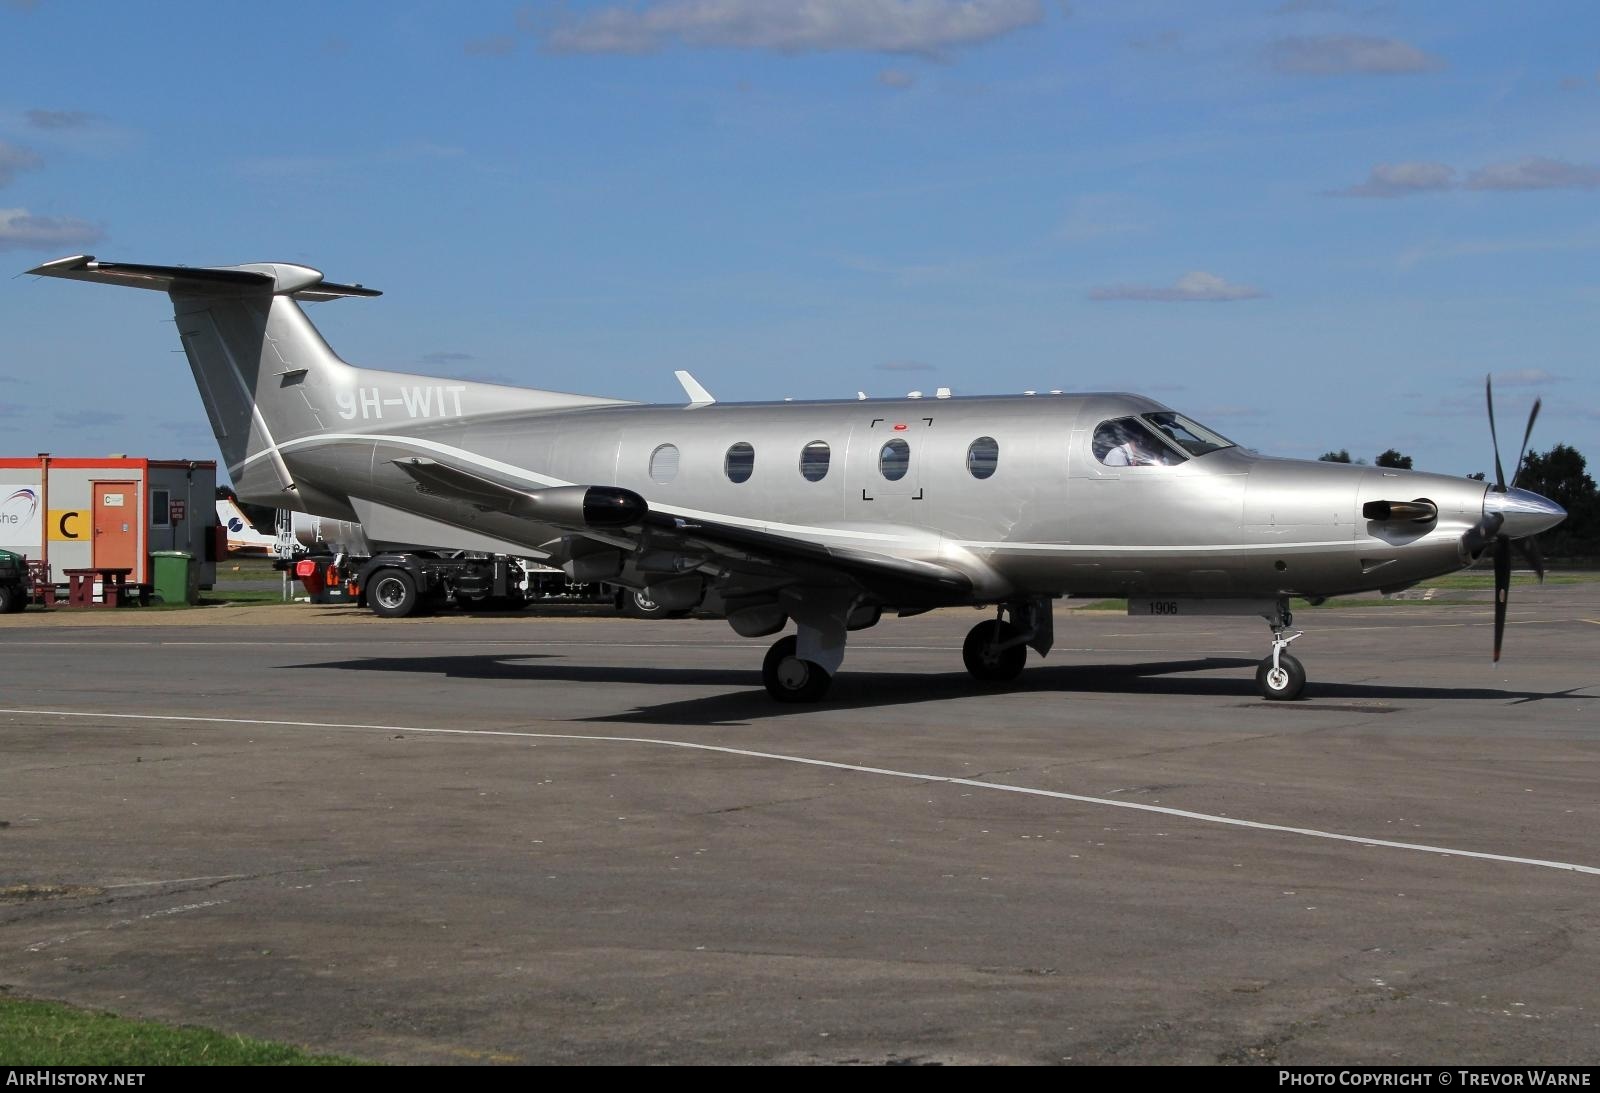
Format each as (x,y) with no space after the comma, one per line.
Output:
(67,525)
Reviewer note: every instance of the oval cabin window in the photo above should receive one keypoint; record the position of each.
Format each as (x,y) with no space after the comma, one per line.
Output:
(983,456)
(814,461)
(740,462)
(894,459)
(664,464)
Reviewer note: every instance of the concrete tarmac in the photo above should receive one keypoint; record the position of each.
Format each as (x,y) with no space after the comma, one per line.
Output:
(585,839)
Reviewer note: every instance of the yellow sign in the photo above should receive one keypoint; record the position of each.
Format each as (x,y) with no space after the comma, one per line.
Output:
(69,525)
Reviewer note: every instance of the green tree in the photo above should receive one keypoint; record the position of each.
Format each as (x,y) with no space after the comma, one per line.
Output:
(1561,474)
(1392,458)
(1340,456)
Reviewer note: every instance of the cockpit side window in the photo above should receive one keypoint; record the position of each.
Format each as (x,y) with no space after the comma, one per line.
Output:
(1129,442)
(1191,436)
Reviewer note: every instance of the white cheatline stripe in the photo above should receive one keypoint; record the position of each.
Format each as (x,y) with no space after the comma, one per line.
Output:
(885,772)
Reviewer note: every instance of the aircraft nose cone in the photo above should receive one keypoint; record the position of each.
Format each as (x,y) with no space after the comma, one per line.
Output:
(1525,512)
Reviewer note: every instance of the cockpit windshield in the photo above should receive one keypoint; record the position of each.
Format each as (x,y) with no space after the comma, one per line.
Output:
(1129,442)
(1191,436)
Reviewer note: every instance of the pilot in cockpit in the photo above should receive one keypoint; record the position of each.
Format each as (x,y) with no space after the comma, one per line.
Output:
(1123,444)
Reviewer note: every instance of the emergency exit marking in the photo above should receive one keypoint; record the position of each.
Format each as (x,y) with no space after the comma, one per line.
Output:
(111,500)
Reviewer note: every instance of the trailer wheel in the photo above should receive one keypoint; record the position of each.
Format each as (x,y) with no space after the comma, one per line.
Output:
(11,599)
(392,594)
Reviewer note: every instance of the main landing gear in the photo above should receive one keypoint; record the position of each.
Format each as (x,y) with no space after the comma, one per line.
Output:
(996,651)
(790,679)
(1280,676)
(800,667)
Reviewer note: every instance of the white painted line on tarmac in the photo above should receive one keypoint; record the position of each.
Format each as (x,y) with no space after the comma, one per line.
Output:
(175,880)
(882,772)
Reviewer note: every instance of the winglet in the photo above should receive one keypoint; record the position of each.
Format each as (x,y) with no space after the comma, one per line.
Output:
(698,395)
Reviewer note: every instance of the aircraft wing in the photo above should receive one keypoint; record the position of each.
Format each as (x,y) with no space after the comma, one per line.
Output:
(620,517)
(892,578)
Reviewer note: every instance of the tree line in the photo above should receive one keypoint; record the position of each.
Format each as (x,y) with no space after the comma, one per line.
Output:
(1560,474)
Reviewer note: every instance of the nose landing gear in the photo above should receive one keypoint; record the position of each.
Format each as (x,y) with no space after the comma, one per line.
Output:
(1281,677)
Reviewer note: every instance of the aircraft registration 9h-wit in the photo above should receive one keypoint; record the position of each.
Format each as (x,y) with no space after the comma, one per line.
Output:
(829,514)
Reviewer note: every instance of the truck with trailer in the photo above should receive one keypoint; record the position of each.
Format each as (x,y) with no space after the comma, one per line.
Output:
(335,563)
(397,584)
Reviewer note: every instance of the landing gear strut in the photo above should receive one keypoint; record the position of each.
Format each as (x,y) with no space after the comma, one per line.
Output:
(1280,676)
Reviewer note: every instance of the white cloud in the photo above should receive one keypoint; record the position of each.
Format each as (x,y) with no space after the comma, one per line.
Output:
(59,119)
(793,26)
(897,78)
(21,230)
(1339,54)
(1196,287)
(1535,173)
(1526,377)
(1402,180)
(14,159)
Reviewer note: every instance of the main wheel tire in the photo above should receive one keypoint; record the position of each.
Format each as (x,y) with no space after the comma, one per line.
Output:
(637,605)
(1283,683)
(11,599)
(392,594)
(988,663)
(790,679)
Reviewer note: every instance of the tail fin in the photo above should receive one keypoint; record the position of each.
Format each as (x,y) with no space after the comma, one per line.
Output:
(256,358)
(268,379)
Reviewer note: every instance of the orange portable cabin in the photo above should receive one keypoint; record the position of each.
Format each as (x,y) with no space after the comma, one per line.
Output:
(110,513)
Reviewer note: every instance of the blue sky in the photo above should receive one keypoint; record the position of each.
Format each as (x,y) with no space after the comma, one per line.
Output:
(1311,225)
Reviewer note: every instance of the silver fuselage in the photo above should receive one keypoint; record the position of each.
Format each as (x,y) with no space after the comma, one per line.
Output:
(1051,520)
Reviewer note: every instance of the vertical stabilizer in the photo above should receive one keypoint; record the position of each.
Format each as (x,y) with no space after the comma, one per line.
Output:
(263,372)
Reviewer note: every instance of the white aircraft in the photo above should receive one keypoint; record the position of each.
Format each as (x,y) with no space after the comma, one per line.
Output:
(243,538)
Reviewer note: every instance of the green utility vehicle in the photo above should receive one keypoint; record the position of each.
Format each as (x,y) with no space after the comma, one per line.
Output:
(13,582)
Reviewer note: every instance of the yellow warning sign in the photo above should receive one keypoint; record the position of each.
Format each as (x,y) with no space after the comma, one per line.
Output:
(68,525)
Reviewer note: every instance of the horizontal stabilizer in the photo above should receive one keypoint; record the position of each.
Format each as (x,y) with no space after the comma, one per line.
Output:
(278,278)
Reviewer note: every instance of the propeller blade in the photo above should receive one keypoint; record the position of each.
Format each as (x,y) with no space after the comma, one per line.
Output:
(1502,589)
(1499,471)
(1529,548)
(1517,470)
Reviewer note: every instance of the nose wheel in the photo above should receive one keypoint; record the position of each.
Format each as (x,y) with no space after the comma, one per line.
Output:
(790,679)
(1283,681)
(1281,677)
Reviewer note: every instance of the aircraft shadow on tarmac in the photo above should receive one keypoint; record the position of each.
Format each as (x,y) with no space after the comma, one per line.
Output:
(868,690)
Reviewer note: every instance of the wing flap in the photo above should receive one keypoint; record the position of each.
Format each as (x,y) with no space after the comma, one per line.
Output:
(895,579)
